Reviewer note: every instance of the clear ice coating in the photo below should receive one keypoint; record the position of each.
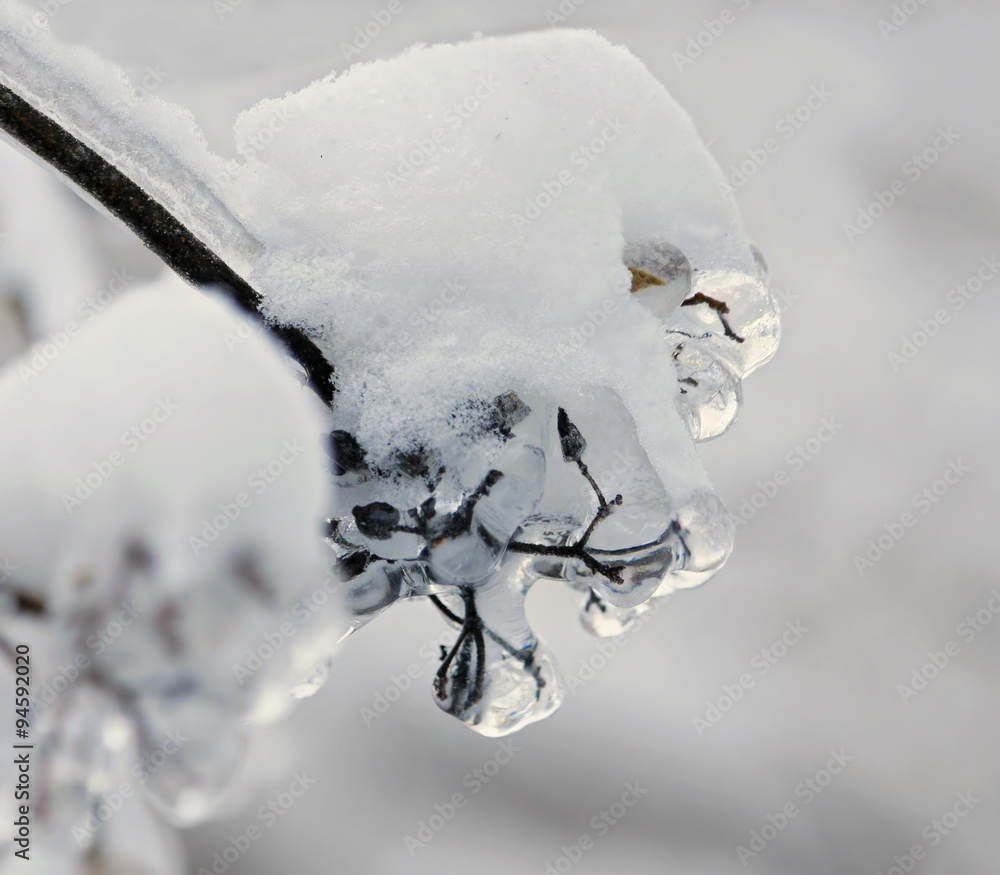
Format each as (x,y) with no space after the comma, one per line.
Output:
(537,298)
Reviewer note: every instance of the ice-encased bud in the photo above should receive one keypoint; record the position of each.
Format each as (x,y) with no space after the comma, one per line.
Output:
(661,276)
(373,589)
(723,325)
(498,676)
(629,583)
(516,691)
(710,391)
(707,532)
(732,315)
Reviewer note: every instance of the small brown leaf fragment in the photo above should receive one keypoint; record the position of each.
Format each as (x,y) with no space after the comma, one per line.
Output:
(642,279)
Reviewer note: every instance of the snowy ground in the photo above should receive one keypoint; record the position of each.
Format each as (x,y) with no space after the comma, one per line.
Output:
(850,302)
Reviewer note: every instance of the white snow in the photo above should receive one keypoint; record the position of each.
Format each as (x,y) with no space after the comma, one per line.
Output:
(453,221)
(186,404)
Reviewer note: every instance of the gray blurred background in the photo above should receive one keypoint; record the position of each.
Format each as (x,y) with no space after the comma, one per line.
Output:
(848,304)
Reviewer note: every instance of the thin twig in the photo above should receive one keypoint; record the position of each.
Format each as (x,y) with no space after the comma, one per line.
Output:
(153,224)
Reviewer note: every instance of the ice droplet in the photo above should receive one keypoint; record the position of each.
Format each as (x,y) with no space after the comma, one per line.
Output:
(605,620)
(710,392)
(516,692)
(661,276)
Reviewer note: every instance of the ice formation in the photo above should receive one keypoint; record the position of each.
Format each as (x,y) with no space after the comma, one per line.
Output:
(518,257)
(163,501)
(516,254)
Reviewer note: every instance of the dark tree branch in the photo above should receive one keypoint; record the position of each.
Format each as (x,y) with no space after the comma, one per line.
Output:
(153,224)
(444,609)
